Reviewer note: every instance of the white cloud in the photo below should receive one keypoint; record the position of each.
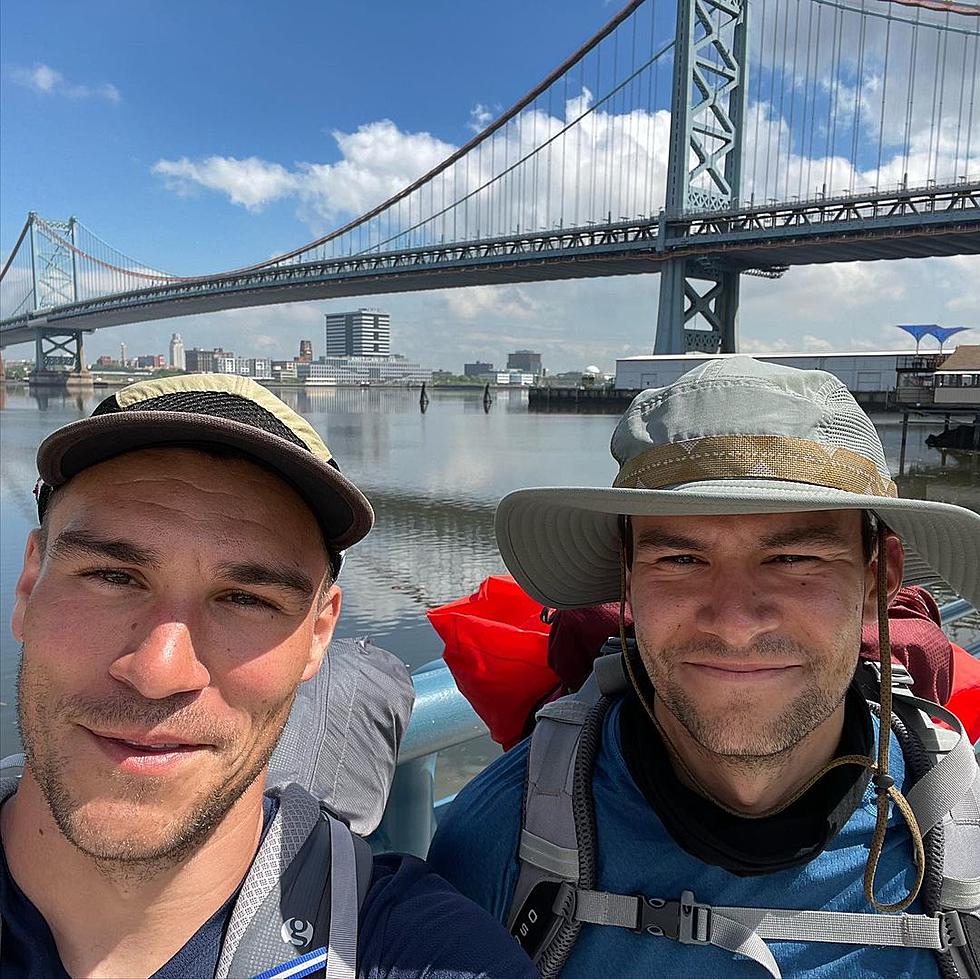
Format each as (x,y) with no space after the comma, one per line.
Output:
(502,302)
(252,183)
(377,160)
(46,80)
(481,116)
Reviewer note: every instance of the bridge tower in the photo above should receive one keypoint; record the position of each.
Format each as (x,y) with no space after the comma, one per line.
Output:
(708,110)
(59,355)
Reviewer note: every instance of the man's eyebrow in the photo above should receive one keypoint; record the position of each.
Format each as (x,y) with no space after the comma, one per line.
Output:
(71,542)
(662,539)
(827,536)
(247,573)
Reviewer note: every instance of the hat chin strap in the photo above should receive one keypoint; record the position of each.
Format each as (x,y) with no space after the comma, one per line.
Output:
(885,787)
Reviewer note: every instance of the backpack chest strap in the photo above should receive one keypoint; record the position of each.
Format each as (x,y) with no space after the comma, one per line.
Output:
(746,930)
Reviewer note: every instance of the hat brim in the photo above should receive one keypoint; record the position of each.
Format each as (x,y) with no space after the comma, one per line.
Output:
(562,543)
(344,514)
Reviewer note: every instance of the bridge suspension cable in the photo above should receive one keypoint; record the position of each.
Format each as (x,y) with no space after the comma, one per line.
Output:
(844,99)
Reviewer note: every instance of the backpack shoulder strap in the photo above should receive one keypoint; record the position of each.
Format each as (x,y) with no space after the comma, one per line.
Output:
(300,902)
(364,859)
(548,852)
(345,903)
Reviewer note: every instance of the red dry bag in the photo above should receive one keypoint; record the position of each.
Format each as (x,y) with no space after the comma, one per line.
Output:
(497,651)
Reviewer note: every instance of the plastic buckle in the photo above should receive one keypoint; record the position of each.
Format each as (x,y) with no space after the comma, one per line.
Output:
(695,921)
(901,678)
(953,935)
(657,916)
(564,902)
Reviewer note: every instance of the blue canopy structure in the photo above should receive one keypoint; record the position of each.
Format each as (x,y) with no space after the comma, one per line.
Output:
(941,333)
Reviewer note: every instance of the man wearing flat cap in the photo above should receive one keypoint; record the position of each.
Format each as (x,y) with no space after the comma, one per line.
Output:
(719,799)
(180,588)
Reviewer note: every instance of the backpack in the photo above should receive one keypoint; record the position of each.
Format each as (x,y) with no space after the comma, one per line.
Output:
(555,893)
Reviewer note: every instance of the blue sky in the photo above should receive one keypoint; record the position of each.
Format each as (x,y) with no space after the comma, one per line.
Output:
(174,130)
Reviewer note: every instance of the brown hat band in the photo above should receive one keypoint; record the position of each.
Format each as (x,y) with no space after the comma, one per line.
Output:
(754,457)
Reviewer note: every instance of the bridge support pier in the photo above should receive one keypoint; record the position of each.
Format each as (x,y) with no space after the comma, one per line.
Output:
(689,294)
(59,361)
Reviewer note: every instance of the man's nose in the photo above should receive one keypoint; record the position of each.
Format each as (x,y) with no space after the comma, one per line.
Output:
(162,660)
(737,609)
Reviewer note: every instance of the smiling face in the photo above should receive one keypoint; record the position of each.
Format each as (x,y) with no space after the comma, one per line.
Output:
(749,626)
(173,612)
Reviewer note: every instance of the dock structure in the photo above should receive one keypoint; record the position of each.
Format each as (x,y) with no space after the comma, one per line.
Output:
(611,401)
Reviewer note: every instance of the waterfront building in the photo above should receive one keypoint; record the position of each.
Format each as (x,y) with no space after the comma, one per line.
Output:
(935,379)
(361,333)
(862,371)
(524,360)
(205,361)
(958,377)
(199,361)
(231,364)
(177,359)
(153,361)
(305,351)
(260,367)
(243,366)
(122,354)
(514,379)
(284,371)
(477,369)
(357,371)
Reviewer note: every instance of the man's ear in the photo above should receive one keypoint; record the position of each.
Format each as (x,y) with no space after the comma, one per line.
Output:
(29,574)
(328,611)
(895,556)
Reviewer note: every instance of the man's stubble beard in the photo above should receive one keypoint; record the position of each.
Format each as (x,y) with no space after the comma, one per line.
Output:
(733,732)
(50,764)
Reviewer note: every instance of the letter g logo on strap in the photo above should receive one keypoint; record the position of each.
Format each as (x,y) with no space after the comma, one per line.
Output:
(296,931)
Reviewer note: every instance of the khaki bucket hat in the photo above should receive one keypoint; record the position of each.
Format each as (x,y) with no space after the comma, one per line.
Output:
(731,436)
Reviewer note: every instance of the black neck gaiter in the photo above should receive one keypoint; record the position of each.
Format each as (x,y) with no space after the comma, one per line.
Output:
(744,845)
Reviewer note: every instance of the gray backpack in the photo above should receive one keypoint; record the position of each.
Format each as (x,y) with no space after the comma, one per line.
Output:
(556,889)
(298,906)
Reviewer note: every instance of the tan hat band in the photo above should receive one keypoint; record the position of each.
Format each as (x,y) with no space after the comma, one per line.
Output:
(754,457)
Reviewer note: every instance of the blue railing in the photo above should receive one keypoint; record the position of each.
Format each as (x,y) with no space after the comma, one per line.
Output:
(442,719)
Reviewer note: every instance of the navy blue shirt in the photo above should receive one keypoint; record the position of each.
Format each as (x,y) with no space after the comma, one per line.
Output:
(413,925)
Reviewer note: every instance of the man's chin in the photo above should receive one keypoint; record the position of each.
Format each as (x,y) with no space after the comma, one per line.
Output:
(125,830)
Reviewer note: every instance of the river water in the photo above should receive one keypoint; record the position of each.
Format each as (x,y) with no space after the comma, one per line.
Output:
(433,479)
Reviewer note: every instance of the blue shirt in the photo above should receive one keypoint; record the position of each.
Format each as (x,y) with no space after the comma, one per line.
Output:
(412,925)
(476,849)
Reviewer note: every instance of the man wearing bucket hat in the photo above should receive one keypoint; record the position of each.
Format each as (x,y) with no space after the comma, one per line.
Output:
(717,799)
(180,589)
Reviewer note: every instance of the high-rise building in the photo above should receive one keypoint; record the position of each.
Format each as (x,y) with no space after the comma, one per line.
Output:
(363,333)
(305,352)
(122,354)
(177,358)
(524,360)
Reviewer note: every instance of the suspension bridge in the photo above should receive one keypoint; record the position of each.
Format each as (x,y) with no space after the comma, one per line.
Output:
(701,139)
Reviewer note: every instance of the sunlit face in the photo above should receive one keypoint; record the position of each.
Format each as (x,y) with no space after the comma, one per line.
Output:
(166,626)
(749,626)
